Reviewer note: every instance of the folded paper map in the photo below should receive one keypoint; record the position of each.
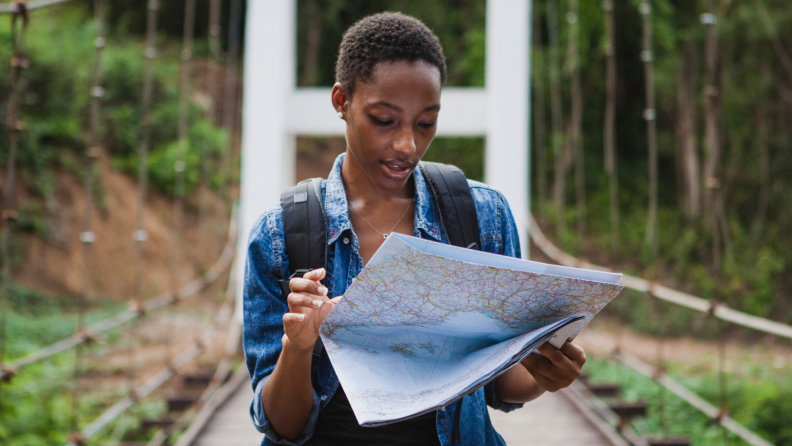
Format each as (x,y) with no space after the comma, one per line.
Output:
(425,323)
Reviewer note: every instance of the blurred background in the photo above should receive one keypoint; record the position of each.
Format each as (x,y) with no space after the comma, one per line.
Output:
(659,147)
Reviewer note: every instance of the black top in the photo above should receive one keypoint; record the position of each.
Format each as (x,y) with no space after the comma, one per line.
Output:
(337,425)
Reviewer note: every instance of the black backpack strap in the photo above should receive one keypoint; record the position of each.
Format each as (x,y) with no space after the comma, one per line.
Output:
(305,233)
(457,208)
(304,228)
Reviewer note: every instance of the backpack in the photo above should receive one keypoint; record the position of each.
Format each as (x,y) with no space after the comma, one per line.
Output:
(305,226)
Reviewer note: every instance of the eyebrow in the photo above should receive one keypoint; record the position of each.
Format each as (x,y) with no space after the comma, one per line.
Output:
(397,108)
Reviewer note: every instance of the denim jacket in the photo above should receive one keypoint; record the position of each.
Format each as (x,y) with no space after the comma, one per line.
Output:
(264,303)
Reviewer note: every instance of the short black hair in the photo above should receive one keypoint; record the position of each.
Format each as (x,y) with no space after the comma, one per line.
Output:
(386,37)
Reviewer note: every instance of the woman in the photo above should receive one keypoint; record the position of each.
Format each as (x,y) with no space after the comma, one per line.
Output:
(390,73)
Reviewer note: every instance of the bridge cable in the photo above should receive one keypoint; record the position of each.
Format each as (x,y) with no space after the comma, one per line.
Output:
(140,235)
(660,364)
(229,101)
(556,115)
(87,237)
(19,25)
(180,165)
(211,106)
(650,115)
(609,133)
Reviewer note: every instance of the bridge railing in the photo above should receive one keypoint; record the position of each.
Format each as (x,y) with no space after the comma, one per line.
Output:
(712,308)
(190,289)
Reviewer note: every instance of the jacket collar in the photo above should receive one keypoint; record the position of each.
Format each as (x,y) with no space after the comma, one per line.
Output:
(337,207)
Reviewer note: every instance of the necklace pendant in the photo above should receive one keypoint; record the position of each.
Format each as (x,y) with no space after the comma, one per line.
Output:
(385,236)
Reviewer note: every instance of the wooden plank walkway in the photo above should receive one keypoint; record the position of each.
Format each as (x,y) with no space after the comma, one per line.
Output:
(549,421)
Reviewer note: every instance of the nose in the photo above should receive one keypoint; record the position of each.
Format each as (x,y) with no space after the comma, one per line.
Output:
(405,142)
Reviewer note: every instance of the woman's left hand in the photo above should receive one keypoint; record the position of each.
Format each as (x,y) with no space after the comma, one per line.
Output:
(558,368)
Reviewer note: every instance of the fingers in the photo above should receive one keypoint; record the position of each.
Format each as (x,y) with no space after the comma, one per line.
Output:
(305,285)
(298,300)
(575,353)
(554,355)
(315,275)
(558,368)
(292,322)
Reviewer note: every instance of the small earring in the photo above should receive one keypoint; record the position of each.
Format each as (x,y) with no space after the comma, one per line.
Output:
(340,115)
(397,143)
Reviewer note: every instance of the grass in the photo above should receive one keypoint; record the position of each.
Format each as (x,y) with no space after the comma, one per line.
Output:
(759,396)
(36,406)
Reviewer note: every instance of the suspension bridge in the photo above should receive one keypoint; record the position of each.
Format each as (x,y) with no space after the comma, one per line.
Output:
(208,405)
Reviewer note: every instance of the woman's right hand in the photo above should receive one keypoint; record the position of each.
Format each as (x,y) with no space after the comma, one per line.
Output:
(308,307)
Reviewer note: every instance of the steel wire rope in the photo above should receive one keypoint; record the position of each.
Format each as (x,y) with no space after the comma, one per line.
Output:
(19,25)
(229,101)
(211,110)
(714,309)
(140,235)
(650,115)
(720,311)
(87,237)
(180,164)
(556,115)
(660,365)
(222,370)
(215,49)
(185,356)
(159,301)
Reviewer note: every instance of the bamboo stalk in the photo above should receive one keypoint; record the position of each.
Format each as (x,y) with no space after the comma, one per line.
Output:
(610,124)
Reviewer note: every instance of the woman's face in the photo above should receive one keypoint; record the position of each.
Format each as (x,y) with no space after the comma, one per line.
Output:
(391,120)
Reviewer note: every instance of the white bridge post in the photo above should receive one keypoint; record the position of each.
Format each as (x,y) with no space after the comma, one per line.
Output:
(507,80)
(275,111)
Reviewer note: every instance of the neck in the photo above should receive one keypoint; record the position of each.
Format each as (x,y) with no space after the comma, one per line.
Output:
(360,187)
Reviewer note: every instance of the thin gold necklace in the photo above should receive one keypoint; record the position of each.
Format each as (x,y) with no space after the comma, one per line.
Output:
(386,234)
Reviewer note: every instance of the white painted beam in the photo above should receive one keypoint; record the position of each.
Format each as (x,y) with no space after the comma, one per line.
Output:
(507,81)
(267,148)
(463,113)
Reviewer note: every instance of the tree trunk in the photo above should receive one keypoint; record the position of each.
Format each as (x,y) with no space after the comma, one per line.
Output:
(557,117)
(651,126)
(686,132)
(540,121)
(577,119)
(312,46)
(563,163)
(764,166)
(712,142)
(610,124)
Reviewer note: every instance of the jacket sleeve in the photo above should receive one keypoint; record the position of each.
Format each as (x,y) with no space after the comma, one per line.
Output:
(263,308)
(499,234)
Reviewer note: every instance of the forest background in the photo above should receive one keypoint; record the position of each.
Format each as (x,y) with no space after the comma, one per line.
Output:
(731,242)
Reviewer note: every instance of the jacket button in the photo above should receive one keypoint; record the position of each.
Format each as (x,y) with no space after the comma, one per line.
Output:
(346,241)
(442,409)
(324,397)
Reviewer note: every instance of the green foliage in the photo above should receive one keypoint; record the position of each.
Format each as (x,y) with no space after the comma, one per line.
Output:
(459,24)
(55,108)
(35,407)
(667,414)
(465,153)
(757,396)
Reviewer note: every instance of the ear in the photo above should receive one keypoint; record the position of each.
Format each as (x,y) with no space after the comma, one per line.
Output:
(340,98)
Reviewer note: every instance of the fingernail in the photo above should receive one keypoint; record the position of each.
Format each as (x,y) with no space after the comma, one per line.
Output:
(323,290)
(301,317)
(318,303)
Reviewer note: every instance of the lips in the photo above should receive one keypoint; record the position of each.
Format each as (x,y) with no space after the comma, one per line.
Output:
(397,169)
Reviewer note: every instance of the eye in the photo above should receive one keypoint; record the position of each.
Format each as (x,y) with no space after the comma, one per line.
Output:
(427,125)
(380,122)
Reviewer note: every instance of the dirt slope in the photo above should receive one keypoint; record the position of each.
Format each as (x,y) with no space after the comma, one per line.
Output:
(54,266)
